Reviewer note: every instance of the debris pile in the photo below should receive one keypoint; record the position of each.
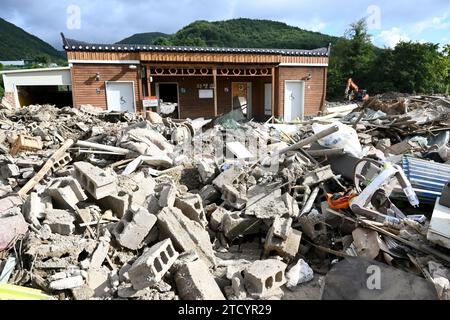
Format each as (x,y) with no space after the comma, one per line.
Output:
(97,205)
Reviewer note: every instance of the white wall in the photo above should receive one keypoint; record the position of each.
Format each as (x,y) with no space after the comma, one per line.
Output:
(36,78)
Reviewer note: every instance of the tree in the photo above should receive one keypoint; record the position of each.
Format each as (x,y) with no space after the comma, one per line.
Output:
(352,57)
(42,59)
(420,68)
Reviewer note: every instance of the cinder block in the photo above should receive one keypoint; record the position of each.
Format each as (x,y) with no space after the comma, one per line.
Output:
(195,282)
(234,197)
(286,248)
(192,207)
(66,192)
(264,277)
(152,265)
(26,143)
(217,217)
(132,229)
(186,234)
(117,203)
(96,181)
(282,227)
(60,221)
(67,283)
(61,162)
(233,225)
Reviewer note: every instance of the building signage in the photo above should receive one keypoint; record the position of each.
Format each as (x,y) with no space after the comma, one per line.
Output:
(150,102)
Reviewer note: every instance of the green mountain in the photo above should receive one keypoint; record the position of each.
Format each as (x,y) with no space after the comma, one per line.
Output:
(142,38)
(245,33)
(17,44)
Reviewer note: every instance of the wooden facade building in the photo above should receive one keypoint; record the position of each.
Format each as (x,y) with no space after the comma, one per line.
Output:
(199,81)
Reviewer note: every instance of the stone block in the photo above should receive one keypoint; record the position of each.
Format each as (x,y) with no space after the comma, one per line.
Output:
(35,207)
(95,180)
(217,217)
(234,197)
(67,283)
(195,282)
(152,265)
(282,227)
(132,229)
(186,234)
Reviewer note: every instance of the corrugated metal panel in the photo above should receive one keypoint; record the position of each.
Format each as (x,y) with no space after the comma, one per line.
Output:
(427,177)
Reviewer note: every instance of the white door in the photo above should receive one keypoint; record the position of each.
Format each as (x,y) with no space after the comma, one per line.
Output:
(294,94)
(120,96)
(268,99)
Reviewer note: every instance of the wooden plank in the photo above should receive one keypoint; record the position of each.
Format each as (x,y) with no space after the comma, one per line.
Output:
(215,91)
(273,95)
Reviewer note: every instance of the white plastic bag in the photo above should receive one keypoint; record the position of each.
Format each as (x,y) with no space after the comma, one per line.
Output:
(345,138)
(298,274)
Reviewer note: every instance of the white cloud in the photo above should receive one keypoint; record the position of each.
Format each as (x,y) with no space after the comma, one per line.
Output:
(437,23)
(391,37)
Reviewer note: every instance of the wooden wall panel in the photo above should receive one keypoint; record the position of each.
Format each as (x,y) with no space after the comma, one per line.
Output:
(85,86)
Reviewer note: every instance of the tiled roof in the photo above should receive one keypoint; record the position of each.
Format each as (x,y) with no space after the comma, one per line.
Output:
(75,45)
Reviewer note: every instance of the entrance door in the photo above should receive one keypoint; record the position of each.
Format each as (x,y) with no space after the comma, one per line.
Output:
(294,96)
(167,93)
(241,93)
(268,99)
(120,96)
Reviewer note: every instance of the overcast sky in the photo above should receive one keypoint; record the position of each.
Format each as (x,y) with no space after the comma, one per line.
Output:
(108,21)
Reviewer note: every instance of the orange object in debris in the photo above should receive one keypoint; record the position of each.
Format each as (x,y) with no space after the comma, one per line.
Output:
(26,143)
(339,200)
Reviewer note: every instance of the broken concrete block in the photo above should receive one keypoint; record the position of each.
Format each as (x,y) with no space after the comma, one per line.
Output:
(233,225)
(96,181)
(287,248)
(191,205)
(60,221)
(167,196)
(152,265)
(267,207)
(226,177)
(234,197)
(66,192)
(118,203)
(291,204)
(132,229)
(83,292)
(313,225)
(282,227)
(207,169)
(185,234)
(67,283)
(5,190)
(9,170)
(317,176)
(264,277)
(217,218)
(99,255)
(209,194)
(11,227)
(35,207)
(98,281)
(195,282)
(146,187)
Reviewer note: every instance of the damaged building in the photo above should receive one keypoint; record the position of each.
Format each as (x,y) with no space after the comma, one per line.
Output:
(184,82)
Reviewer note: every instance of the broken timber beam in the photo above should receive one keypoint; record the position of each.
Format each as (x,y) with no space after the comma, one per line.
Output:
(45,169)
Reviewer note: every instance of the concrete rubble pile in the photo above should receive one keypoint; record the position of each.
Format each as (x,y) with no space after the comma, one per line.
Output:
(97,205)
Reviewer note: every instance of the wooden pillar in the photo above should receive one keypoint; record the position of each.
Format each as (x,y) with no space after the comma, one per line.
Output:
(273,95)
(215,90)
(141,95)
(149,84)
